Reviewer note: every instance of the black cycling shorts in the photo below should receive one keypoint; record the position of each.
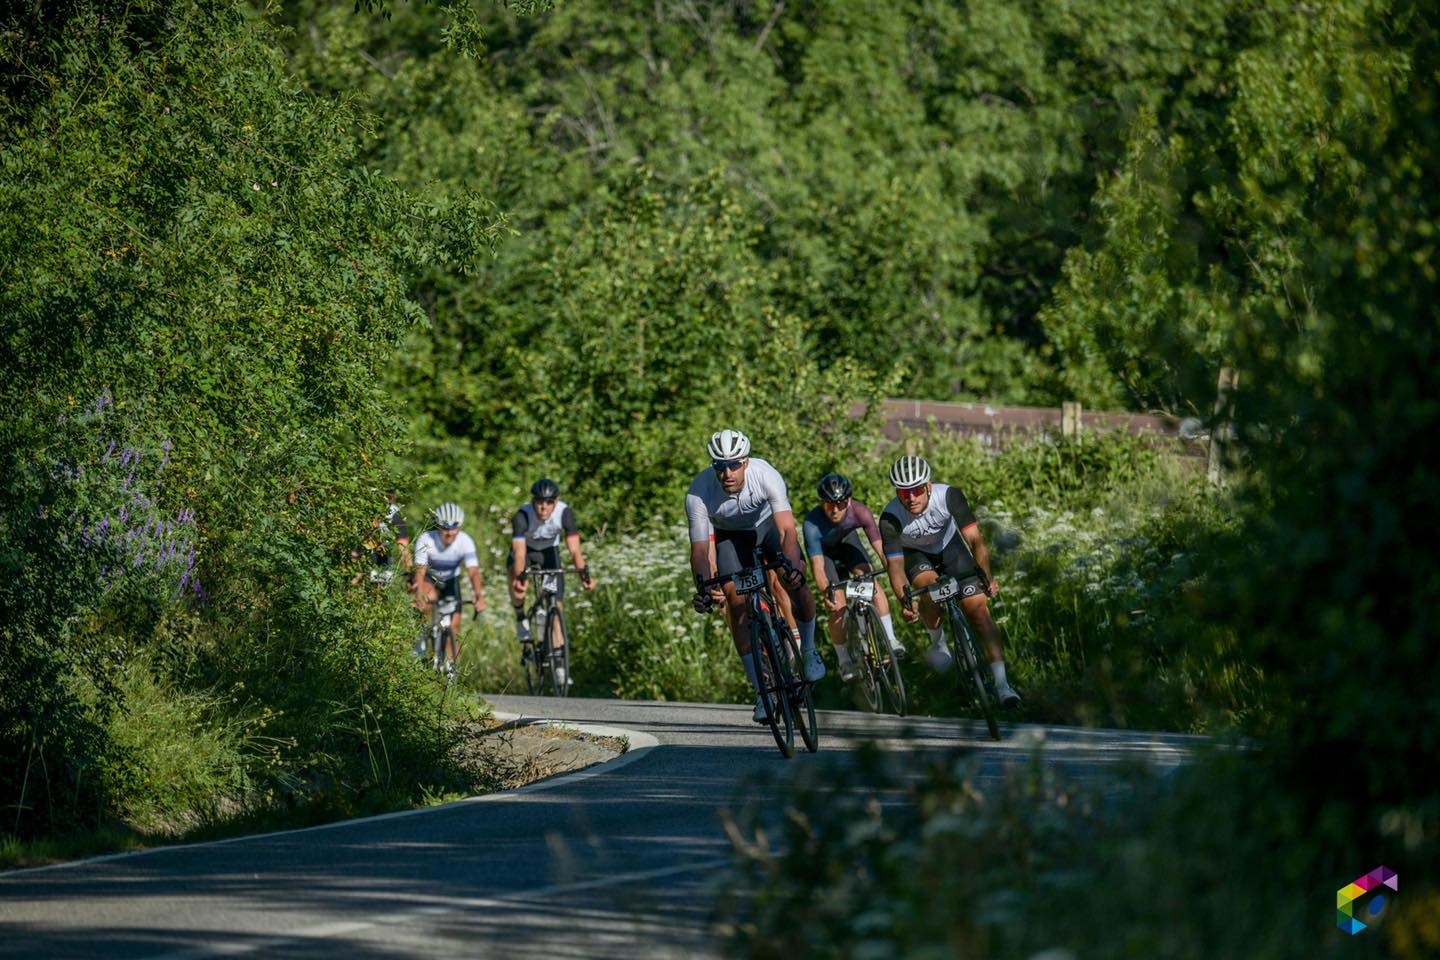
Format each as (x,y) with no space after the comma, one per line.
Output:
(445,589)
(546,557)
(735,549)
(846,558)
(954,559)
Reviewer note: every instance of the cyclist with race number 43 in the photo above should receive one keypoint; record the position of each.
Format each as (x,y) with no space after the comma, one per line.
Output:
(927,530)
(741,503)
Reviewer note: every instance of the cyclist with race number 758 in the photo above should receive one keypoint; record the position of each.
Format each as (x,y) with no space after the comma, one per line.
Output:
(741,504)
(928,530)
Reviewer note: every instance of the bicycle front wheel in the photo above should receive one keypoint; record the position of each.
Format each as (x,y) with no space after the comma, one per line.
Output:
(771,682)
(857,642)
(797,689)
(886,665)
(968,654)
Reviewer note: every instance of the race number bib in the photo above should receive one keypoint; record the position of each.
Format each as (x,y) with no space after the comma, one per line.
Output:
(944,590)
(748,581)
(861,590)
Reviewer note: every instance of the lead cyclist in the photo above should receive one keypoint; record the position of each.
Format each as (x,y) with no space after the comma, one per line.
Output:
(741,503)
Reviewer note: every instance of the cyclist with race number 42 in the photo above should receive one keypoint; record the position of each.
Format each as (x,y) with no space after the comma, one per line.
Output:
(439,555)
(834,543)
(739,504)
(928,530)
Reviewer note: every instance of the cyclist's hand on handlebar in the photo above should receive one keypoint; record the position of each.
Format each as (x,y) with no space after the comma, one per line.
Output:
(586,580)
(703,602)
(992,588)
(479,604)
(834,601)
(792,577)
(908,611)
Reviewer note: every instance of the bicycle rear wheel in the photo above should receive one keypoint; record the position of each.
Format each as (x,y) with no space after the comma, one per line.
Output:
(770,680)
(886,666)
(560,656)
(866,686)
(968,653)
(797,689)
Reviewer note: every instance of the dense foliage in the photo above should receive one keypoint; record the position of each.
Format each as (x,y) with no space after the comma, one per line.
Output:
(202,281)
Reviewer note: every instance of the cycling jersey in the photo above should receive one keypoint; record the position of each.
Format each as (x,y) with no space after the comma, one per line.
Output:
(932,530)
(823,537)
(709,508)
(444,562)
(526,526)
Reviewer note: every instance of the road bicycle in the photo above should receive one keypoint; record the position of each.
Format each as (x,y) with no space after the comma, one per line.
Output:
(779,674)
(437,636)
(971,667)
(547,649)
(878,679)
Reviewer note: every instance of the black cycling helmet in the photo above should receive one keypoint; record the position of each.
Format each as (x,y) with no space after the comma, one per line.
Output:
(834,488)
(544,489)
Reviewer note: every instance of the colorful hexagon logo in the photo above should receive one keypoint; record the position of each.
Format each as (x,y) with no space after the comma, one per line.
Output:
(1346,897)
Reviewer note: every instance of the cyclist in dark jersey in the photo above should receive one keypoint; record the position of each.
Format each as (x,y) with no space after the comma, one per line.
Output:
(927,530)
(835,536)
(536,531)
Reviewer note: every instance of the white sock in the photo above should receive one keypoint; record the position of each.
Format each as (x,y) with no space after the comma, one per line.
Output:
(937,636)
(998,668)
(807,635)
(889,626)
(749,661)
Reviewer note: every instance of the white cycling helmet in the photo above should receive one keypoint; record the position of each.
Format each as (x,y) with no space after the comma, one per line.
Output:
(448,516)
(728,445)
(910,471)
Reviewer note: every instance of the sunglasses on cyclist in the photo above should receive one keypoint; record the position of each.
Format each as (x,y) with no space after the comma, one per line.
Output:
(725,466)
(544,500)
(911,493)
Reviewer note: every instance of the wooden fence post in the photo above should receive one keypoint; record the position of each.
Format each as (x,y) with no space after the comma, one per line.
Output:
(1220,430)
(1070,418)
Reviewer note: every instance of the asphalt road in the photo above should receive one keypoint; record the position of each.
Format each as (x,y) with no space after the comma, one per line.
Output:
(615,861)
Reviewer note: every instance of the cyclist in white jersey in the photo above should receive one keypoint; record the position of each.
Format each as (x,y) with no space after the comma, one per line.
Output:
(439,556)
(928,529)
(739,504)
(536,531)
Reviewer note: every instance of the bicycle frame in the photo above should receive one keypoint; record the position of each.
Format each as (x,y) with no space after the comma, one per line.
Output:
(786,693)
(965,645)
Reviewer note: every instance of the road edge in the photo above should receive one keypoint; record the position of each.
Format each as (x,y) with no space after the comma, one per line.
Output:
(639,746)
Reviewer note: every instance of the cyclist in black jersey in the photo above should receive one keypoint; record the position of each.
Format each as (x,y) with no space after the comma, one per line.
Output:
(536,531)
(927,530)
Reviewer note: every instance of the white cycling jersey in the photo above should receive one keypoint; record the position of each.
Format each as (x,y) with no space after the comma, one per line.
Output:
(445,562)
(526,526)
(932,529)
(709,508)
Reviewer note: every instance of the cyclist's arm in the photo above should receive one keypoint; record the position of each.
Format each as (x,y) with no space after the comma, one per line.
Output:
(789,542)
(817,567)
(978,549)
(815,550)
(700,564)
(477,586)
(894,554)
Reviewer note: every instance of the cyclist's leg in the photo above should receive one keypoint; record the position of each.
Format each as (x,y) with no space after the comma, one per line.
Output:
(733,550)
(977,610)
(549,559)
(923,569)
(801,599)
(452,594)
(835,620)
